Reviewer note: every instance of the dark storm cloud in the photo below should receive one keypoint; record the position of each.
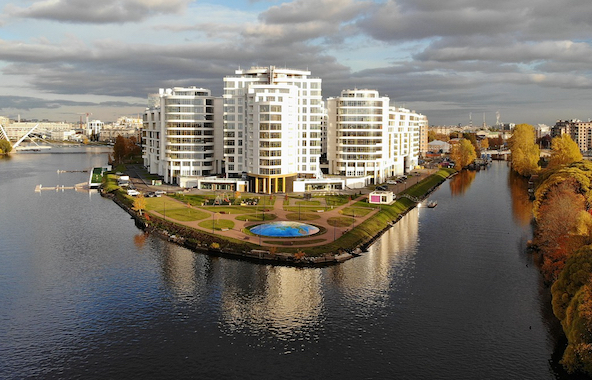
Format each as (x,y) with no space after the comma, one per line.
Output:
(96,12)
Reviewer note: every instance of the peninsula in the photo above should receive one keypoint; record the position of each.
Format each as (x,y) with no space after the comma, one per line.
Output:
(220,223)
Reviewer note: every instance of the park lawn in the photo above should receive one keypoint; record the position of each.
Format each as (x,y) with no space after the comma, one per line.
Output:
(336,200)
(305,208)
(422,187)
(218,224)
(340,221)
(356,211)
(256,217)
(175,210)
(109,183)
(308,203)
(303,216)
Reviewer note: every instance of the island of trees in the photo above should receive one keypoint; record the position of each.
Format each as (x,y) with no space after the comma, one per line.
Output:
(562,241)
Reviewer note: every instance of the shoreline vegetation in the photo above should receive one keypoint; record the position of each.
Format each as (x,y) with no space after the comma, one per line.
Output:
(561,186)
(191,223)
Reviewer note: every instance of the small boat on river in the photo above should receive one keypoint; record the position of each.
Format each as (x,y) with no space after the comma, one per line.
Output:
(432,204)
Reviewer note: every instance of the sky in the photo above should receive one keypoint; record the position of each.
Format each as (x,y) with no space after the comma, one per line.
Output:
(530,61)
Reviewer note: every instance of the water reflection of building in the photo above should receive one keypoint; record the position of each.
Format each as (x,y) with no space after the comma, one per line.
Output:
(178,267)
(286,300)
(372,275)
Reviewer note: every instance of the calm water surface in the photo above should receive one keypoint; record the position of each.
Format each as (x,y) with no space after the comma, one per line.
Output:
(448,293)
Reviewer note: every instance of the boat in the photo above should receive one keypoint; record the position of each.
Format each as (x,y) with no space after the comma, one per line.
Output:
(432,204)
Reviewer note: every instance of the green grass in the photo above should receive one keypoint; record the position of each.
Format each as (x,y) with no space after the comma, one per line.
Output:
(173,209)
(340,221)
(336,200)
(110,183)
(356,211)
(97,175)
(218,224)
(308,203)
(303,216)
(255,218)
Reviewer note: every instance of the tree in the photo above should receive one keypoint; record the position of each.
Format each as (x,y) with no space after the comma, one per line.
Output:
(564,151)
(431,135)
(525,151)
(559,227)
(119,149)
(5,146)
(139,204)
(463,153)
(484,144)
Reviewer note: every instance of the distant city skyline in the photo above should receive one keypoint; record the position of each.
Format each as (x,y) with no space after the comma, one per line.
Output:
(527,59)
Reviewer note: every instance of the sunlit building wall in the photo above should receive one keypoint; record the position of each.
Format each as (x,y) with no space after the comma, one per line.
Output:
(368,137)
(294,126)
(179,134)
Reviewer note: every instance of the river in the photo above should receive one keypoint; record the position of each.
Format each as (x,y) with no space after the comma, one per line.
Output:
(447,293)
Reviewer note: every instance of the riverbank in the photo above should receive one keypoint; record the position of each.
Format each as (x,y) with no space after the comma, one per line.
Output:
(367,223)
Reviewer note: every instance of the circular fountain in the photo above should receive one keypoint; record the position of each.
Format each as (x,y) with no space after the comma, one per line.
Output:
(284,229)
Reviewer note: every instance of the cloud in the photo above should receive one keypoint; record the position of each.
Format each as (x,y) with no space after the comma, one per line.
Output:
(96,12)
(28,103)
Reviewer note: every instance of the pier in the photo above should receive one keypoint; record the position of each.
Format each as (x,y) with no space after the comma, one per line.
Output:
(78,187)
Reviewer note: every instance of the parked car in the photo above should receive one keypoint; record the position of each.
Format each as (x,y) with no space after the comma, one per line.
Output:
(133,192)
(381,188)
(391,182)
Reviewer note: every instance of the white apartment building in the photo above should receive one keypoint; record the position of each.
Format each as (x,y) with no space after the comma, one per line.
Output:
(179,134)
(366,137)
(94,127)
(264,135)
(272,126)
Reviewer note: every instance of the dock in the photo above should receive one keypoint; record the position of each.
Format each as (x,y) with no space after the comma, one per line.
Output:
(79,187)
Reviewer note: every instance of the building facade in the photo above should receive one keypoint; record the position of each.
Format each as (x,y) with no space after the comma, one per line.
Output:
(366,137)
(179,134)
(579,131)
(269,129)
(272,127)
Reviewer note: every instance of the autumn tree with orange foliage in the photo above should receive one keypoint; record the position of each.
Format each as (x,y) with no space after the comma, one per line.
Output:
(555,235)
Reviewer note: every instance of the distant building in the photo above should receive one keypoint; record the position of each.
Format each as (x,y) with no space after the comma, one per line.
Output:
(124,126)
(93,129)
(438,146)
(579,131)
